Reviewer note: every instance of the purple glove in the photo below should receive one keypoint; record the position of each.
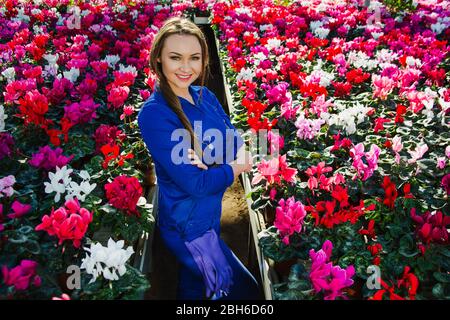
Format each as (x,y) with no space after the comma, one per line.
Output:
(216,271)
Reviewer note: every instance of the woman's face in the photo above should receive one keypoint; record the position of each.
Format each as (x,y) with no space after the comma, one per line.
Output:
(181,60)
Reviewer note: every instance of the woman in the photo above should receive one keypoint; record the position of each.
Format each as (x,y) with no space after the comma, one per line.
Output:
(190,191)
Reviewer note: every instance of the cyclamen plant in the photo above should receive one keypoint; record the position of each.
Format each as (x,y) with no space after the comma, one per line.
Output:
(363,112)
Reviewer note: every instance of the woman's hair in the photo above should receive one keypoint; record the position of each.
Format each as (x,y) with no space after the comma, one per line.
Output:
(180,26)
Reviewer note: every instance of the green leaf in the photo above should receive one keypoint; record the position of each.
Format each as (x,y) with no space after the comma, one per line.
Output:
(438,291)
(442,277)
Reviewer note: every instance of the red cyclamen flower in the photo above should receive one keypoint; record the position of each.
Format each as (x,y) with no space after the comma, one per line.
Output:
(123,193)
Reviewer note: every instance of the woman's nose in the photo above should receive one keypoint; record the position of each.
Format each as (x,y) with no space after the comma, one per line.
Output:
(185,65)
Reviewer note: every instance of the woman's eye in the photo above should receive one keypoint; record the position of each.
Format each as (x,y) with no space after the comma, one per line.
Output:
(174,58)
(195,58)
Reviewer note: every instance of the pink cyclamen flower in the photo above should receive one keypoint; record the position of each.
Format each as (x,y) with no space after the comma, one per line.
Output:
(69,222)
(145,94)
(272,193)
(447,152)
(321,105)
(340,279)
(441,162)
(383,86)
(127,111)
(417,153)
(357,153)
(6,184)
(308,128)
(289,218)
(64,296)
(124,193)
(117,96)
(19,210)
(418,100)
(273,170)
(21,275)
(276,142)
(278,94)
(397,146)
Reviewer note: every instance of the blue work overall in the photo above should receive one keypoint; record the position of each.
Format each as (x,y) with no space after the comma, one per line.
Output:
(190,198)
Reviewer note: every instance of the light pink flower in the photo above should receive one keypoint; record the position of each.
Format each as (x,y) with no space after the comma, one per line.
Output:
(6,184)
(441,163)
(383,86)
(64,296)
(321,105)
(417,153)
(397,146)
(276,142)
(273,170)
(308,128)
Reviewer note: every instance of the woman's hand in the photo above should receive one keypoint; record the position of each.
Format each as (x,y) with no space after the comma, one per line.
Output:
(243,162)
(195,160)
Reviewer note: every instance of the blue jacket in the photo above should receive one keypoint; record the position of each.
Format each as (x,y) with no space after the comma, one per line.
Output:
(190,198)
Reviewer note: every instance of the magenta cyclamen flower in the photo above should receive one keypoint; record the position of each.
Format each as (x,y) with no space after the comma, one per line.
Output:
(81,112)
(19,210)
(278,94)
(48,159)
(445,183)
(6,145)
(21,275)
(289,218)
(371,158)
(326,277)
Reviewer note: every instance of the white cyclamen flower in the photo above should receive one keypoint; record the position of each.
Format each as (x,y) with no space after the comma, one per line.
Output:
(314,25)
(348,118)
(438,27)
(273,43)
(107,261)
(130,69)
(21,16)
(245,74)
(321,32)
(59,181)
(72,75)
(9,74)
(111,60)
(3,116)
(80,191)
